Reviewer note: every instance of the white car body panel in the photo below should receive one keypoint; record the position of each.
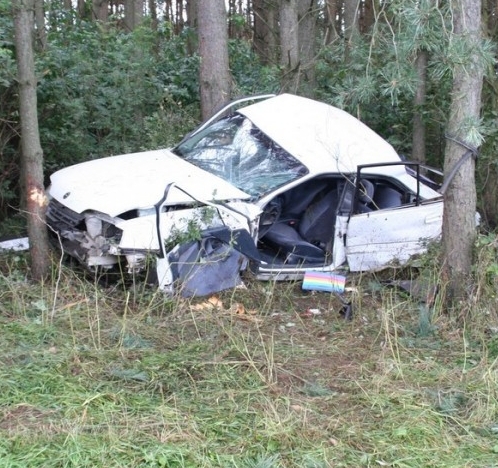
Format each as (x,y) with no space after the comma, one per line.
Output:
(376,239)
(325,139)
(141,233)
(117,184)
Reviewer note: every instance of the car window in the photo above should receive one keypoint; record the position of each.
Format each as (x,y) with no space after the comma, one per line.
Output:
(373,193)
(238,152)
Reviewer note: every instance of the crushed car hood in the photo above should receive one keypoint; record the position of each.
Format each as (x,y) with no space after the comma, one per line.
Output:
(118,184)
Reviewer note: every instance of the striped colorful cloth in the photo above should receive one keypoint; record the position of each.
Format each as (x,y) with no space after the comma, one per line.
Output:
(322,281)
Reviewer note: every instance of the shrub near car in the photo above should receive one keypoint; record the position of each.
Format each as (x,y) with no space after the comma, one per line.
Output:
(285,184)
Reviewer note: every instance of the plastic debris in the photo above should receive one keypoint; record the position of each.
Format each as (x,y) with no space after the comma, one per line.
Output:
(22,243)
(323,281)
(310,313)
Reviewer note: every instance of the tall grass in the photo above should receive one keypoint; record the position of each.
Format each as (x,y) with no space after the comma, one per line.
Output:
(124,376)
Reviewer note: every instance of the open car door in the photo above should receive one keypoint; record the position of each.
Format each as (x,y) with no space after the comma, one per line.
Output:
(202,249)
(390,224)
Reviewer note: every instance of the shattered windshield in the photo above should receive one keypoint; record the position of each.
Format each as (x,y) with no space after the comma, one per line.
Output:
(238,152)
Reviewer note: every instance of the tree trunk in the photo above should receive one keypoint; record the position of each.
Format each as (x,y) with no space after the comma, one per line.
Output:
(265,27)
(41,33)
(81,8)
(460,198)
(491,12)
(330,15)
(235,31)
(134,10)
(289,45)
(351,18)
(367,19)
(100,10)
(215,79)
(154,23)
(191,9)
(307,19)
(418,143)
(179,23)
(32,155)
(192,23)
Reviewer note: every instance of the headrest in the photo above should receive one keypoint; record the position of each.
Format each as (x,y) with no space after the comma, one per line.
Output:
(367,190)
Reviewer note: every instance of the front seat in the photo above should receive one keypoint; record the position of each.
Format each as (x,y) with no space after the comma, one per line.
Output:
(308,240)
(366,196)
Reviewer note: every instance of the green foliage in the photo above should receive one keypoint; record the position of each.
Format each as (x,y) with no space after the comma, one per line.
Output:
(369,86)
(189,233)
(166,126)
(9,127)
(486,264)
(255,78)
(100,92)
(98,88)
(374,77)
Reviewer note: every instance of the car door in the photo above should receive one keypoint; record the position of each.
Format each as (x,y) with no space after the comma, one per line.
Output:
(380,236)
(203,247)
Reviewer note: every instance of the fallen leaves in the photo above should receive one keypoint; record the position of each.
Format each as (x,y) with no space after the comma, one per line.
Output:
(236,309)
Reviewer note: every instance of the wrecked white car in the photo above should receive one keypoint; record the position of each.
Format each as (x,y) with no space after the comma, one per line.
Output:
(283,185)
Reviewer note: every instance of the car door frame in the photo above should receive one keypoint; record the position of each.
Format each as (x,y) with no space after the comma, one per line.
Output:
(379,238)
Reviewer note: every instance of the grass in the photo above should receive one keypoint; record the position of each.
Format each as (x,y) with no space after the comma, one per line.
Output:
(116,376)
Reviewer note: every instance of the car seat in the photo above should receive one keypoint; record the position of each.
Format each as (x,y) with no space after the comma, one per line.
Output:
(387,197)
(366,196)
(307,240)
(298,199)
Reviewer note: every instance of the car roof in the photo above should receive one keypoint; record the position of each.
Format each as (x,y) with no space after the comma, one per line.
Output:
(324,138)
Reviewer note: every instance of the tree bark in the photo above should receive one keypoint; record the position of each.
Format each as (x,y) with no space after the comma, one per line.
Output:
(81,8)
(491,12)
(307,20)
(265,30)
(330,14)
(32,155)
(460,198)
(191,9)
(153,15)
(41,33)
(192,23)
(367,19)
(215,78)
(100,10)
(289,45)
(351,18)
(134,11)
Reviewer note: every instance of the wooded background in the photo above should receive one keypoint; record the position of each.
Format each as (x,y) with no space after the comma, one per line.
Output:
(121,76)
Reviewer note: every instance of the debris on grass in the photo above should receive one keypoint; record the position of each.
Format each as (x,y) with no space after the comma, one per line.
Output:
(311,312)
(236,308)
(322,281)
(19,244)
(422,290)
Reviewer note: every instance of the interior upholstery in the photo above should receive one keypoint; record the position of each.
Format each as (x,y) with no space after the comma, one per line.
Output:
(366,196)
(387,197)
(307,239)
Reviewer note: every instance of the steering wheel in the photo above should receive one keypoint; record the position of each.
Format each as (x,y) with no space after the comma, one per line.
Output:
(271,214)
